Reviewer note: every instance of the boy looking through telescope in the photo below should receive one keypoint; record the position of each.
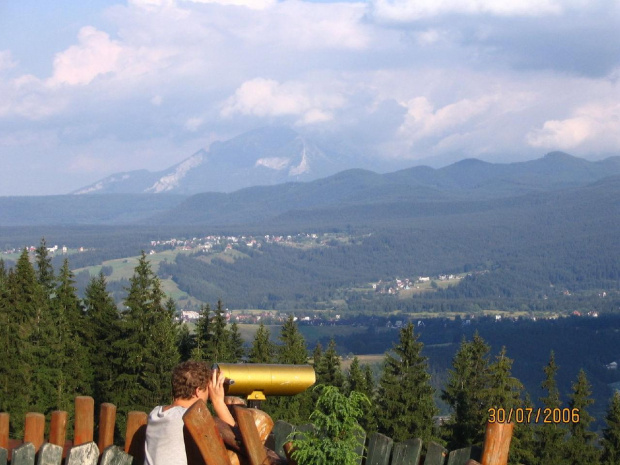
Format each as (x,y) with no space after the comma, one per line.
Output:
(191,381)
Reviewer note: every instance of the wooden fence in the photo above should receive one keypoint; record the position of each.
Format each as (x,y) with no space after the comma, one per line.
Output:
(256,440)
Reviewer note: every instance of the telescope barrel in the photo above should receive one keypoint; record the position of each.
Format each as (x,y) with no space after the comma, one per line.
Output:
(253,379)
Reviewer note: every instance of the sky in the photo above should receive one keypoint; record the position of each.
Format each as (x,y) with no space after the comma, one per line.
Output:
(88,89)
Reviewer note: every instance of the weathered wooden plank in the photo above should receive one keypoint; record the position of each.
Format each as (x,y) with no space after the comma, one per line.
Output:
(263,422)
(379,449)
(114,455)
(407,452)
(23,455)
(135,435)
(84,422)
(4,456)
(252,444)
(50,454)
(107,420)
(435,454)
(281,432)
(58,428)
(34,429)
(4,430)
(460,456)
(202,427)
(84,454)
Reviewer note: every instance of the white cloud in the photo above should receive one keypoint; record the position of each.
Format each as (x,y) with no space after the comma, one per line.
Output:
(6,60)
(267,97)
(414,10)
(594,125)
(94,55)
(192,124)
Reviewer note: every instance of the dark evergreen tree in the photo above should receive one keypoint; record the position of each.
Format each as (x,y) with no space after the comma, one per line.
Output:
(550,446)
(611,433)
(293,348)
(218,346)
(581,446)
(317,363)
(467,394)
(405,404)
(504,389)
(202,334)
(236,349)
(331,367)
(186,343)
(146,351)
(523,444)
(295,409)
(103,322)
(22,299)
(262,350)
(71,356)
(355,378)
(359,379)
(44,268)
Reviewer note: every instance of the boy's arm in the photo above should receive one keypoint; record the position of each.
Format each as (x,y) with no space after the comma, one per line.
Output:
(216,394)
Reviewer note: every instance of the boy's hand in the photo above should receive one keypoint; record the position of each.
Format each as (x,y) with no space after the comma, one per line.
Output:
(216,394)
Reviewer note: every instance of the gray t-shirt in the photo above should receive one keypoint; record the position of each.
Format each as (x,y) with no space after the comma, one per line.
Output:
(164,437)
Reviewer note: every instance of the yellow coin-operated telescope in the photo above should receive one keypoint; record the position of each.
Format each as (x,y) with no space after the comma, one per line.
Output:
(255,381)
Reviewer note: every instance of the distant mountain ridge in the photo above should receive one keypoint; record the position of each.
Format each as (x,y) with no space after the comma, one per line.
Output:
(422,188)
(265,156)
(467,180)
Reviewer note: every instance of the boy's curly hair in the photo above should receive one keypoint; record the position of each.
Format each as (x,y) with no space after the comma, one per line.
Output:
(188,376)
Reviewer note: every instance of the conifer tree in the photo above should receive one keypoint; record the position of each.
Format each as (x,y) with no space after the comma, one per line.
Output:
(146,351)
(549,436)
(202,334)
(405,404)
(103,322)
(580,447)
(71,355)
(331,367)
(523,443)
(262,350)
(218,346)
(186,343)
(293,348)
(467,394)
(317,362)
(611,433)
(20,306)
(44,268)
(359,379)
(295,409)
(236,350)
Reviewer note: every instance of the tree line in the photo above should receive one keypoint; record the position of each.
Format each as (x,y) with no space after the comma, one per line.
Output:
(57,346)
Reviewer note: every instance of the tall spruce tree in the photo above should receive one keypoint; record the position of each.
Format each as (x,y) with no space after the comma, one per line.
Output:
(44,268)
(611,433)
(146,351)
(292,350)
(581,447)
(467,394)
(405,404)
(236,349)
(72,354)
(202,334)
(550,446)
(331,367)
(262,350)
(23,298)
(218,345)
(186,342)
(357,380)
(103,322)
(523,443)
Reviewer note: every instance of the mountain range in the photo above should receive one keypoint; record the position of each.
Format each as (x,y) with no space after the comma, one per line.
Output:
(466,184)
(265,156)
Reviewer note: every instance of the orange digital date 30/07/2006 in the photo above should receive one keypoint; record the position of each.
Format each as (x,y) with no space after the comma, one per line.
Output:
(533,415)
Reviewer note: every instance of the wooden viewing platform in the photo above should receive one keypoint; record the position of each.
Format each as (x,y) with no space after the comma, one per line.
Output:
(255,440)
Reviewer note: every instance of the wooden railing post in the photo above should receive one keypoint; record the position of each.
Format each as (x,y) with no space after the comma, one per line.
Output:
(107,420)
(58,428)
(34,429)
(84,420)
(497,443)
(4,430)
(135,435)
